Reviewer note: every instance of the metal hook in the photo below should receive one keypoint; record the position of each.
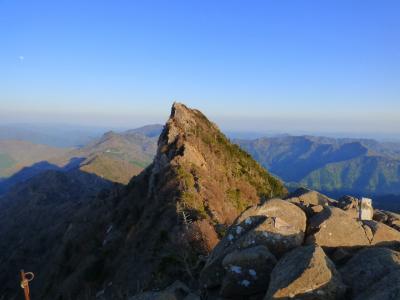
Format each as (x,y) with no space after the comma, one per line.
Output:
(25,279)
(31,276)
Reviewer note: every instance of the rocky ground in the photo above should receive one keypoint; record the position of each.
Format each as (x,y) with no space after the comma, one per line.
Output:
(306,246)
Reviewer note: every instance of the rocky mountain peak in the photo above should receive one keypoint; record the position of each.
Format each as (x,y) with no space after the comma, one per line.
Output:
(182,124)
(180,111)
(207,165)
(172,213)
(178,139)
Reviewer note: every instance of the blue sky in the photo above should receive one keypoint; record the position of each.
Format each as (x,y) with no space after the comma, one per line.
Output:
(286,66)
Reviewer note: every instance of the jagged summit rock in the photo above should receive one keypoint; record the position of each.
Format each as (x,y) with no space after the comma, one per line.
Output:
(215,177)
(156,230)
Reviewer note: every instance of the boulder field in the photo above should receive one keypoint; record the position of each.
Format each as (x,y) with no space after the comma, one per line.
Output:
(306,246)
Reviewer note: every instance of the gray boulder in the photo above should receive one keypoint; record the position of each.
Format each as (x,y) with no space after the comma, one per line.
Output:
(277,208)
(305,273)
(247,272)
(383,235)
(369,266)
(334,228)
(276,224)
(388,288)
(309,198)
(283,228)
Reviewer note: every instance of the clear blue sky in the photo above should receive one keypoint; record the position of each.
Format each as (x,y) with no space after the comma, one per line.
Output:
(251,65)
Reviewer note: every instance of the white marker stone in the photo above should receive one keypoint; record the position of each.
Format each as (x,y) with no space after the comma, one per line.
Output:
(366,211)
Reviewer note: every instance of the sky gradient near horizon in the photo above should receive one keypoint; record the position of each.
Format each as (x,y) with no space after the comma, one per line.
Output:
(323,66)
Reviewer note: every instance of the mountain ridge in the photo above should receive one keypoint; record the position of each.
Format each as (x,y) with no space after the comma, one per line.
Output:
(156,227)
(331,165)
(113,156)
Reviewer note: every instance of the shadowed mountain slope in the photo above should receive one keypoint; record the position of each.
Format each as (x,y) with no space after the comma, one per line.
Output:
(174,211)
(117,156)
(34,216)
(17,154)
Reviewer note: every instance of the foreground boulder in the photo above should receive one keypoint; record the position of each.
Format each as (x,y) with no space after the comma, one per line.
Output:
(388,288)
(369,266)
(305,273)
(278,225)
(333,228)
(283,228)
(247,271)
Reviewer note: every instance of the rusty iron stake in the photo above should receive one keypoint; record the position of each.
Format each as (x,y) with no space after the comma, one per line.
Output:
(25,279)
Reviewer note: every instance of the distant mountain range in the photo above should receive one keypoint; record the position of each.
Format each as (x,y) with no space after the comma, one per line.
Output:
(116,157)
(17,154)
(333,166)
(63,136)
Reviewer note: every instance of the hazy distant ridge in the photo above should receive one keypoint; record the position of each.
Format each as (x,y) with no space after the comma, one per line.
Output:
(328,164)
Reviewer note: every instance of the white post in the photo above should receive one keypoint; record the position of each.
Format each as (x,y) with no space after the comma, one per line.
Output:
(366,211)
